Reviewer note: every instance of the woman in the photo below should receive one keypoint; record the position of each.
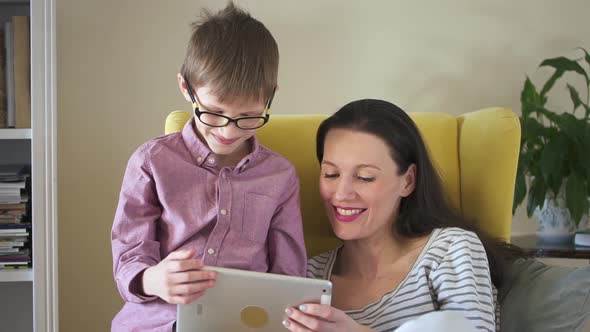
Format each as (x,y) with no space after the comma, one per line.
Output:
(405,251)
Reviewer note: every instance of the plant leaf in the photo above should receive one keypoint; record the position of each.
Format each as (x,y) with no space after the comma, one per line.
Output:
(575,96)
(536,195)
(584,156)
(532,130)
(586,55)
(529,97)
(577,100)
(575,196)
(552,116)
(549,84)
(552,160)
(571,127)
(568,124)
(561,65)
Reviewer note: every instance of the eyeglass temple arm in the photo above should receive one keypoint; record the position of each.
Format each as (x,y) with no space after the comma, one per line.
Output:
(189,89)
(271,98)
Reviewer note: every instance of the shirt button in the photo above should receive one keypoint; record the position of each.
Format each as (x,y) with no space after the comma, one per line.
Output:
(210,251)
(199,159)
(211,160)
(223,212)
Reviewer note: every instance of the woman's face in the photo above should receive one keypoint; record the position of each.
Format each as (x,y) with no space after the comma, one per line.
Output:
(360,185)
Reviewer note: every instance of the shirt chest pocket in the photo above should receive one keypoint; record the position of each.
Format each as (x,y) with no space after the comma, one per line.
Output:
(256,216)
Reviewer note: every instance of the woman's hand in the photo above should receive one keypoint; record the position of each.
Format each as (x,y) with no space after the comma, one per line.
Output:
(320,318)
(178,278)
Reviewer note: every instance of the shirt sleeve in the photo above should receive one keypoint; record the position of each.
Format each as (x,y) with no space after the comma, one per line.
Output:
(133,235)
(287,254)
(462,281)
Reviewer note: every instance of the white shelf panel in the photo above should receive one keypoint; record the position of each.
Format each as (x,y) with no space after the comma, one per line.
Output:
(12,133)
(12,275)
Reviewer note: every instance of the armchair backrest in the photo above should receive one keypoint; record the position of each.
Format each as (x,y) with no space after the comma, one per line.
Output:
(476,154)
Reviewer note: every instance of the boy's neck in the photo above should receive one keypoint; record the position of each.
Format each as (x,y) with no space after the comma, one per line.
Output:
(234,158)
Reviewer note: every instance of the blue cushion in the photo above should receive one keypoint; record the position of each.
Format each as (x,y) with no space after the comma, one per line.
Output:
(537,297)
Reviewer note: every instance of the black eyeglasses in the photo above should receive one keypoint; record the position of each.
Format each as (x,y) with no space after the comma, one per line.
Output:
(217,120)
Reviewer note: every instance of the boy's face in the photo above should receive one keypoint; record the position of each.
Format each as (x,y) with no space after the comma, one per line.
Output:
(229,139)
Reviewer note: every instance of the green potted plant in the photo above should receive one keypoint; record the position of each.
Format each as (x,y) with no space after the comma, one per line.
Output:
(554,161)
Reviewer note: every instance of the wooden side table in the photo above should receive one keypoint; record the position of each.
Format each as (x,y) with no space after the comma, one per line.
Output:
(535,247)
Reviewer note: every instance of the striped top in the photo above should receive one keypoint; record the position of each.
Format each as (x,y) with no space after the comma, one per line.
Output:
(451,273)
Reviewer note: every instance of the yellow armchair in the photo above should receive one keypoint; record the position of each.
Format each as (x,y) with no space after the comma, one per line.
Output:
(476,154)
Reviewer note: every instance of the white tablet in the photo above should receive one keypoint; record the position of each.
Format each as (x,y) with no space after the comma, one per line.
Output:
(249,301)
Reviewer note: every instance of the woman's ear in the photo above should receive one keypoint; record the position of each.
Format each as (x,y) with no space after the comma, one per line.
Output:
(409,181)
(182,87)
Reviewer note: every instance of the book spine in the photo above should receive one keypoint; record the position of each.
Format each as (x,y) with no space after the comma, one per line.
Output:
(10,101)
(22,75)
(2,80)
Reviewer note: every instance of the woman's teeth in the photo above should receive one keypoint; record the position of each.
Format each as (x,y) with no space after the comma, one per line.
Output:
(348,212)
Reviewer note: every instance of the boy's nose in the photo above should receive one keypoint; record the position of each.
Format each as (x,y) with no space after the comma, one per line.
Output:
(229,131)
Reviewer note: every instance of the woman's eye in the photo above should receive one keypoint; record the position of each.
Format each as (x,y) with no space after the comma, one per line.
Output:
(365,179)
(330,176)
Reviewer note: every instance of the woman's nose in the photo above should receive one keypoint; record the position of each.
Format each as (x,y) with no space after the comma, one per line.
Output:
(344,190)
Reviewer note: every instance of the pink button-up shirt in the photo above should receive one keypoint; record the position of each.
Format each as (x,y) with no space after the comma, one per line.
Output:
(175,196)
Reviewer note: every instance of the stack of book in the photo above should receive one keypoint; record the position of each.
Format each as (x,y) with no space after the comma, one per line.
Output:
(15,247)
(15,221)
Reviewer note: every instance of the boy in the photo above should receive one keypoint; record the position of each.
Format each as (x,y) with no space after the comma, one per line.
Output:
(209,195)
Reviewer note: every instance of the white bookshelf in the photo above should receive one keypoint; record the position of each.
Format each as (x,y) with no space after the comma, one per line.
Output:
(12,133)
(16,285)
(28,297)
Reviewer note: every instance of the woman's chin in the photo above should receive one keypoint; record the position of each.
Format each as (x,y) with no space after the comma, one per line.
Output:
(344,232)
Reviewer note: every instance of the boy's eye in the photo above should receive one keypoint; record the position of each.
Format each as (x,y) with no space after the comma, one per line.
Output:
(365,179)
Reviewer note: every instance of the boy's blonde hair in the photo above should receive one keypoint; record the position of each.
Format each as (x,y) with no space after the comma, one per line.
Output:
(234,54)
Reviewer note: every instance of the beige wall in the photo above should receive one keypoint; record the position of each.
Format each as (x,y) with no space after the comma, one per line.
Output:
(117,62)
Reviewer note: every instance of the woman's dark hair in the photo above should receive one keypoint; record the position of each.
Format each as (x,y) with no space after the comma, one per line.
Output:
(427,207)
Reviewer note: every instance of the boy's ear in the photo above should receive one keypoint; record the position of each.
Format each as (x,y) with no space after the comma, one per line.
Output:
(182,86)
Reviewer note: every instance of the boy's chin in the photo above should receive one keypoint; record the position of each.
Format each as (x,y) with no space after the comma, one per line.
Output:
(224,150)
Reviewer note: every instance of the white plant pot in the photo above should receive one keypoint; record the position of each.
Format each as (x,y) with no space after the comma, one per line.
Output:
(555,222)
